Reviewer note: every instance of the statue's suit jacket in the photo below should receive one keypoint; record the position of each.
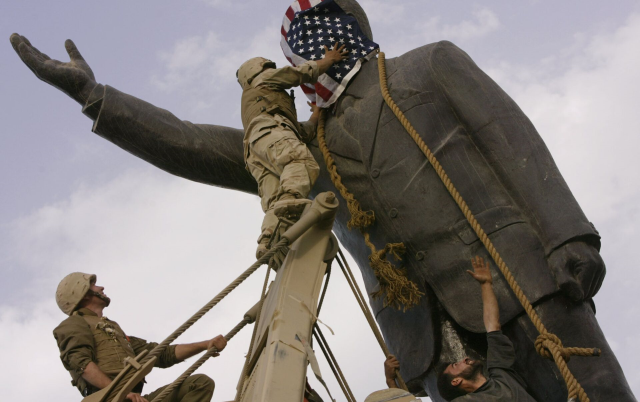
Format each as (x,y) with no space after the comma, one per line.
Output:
(488,147)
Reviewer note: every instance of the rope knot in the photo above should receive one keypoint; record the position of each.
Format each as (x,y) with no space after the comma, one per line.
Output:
(547,343)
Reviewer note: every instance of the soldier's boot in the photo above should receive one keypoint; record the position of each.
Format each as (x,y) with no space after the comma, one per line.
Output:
(290,209)
(263,242)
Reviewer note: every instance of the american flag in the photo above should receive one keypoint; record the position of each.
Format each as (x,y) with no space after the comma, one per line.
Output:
(307,27)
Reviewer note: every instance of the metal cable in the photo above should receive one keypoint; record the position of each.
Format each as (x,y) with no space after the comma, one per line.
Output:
(245,367)
(333,363)
(283,243)
(367,312)
(210,352)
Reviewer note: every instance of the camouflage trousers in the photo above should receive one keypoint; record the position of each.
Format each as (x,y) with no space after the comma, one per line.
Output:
(283,167)
(196,388)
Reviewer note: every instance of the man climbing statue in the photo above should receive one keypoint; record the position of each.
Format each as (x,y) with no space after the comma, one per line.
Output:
(274,141)
(93,348)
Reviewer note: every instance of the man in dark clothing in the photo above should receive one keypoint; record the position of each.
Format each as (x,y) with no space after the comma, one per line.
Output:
(465,380)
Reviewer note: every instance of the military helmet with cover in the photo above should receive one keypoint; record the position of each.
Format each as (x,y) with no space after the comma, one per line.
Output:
(251,68)
(72,289)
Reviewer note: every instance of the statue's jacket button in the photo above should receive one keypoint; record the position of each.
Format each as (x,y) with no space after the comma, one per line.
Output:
(393,213)
(375,173)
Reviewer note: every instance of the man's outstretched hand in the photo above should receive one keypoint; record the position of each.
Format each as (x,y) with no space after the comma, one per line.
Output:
(335,55)
(74,78)
(481,271)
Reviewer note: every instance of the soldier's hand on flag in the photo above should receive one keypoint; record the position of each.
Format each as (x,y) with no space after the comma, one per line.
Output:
(336,54)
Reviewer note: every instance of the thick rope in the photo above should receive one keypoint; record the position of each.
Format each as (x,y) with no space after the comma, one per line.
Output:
(547,344)
(351,280)
(245,367)
(210,352)
(282,244)
(400,291)
(333,363)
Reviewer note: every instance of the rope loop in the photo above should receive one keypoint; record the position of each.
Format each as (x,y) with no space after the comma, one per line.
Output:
(547,343)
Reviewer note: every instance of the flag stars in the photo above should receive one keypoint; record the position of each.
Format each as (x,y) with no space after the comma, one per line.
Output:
(309,32)
(360,38)
(348,34)
(338,75)
(337,19)
(338,25)
(364,52)
(316,18)
(311,49)
(319,31)
(327,19)
(300,42)
(307,22)
(341,40)
(332,39)
(352,42)
(347,67)
(312,57)
(329,31)
(310,40)
(339,32)
(326,10)
(349,26)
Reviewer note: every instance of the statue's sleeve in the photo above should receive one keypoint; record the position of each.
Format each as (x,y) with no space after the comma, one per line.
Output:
(203,153)
(512,147)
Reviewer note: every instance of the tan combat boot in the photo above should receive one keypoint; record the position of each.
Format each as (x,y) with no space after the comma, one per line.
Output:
(263,242)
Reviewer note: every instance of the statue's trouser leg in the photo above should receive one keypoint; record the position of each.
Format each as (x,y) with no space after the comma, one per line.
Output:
(196,388)
(283,167)
(576,325)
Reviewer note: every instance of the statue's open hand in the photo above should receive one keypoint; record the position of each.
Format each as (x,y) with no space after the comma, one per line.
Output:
(74,78)
(579,269)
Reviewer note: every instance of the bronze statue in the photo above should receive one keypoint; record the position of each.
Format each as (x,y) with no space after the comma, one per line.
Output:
(491,151)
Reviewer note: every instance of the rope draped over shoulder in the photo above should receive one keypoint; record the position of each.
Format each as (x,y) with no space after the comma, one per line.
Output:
(400,291)
(547,344)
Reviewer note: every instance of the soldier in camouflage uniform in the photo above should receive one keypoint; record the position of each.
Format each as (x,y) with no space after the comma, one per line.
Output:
(274,141)
(93,348)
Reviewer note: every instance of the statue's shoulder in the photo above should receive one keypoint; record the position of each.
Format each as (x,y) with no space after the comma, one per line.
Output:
(434,52)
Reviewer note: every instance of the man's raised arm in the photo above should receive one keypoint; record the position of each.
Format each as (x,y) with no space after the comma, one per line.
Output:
(204,153)
(490,309)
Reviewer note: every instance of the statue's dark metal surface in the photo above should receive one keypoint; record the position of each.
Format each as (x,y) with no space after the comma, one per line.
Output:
(491,151)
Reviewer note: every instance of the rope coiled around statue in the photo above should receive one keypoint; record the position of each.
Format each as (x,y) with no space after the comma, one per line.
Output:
(399,291)
(547,344)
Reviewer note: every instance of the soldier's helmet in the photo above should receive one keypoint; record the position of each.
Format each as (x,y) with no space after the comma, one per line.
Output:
(72,289)
(251,68)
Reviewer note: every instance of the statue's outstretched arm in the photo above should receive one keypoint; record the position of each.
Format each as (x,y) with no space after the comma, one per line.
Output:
(204,153)
(523,164)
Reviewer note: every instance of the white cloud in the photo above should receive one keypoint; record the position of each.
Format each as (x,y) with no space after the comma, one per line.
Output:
(484,22)
(383,12)
(162,247)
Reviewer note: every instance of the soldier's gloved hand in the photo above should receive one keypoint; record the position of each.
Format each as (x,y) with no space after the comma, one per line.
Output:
(219,342)
(133,397)
(579,269)
(74,78)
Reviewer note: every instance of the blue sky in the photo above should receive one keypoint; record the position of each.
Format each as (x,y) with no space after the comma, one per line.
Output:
(72,201)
